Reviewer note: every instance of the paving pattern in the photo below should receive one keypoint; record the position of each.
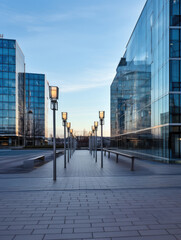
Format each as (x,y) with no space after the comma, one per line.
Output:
(87,202)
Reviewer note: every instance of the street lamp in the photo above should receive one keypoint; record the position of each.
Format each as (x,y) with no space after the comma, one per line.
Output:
(96,127)
(64,119)
(93,141)
(53,94)
(90,144)
(101,117)
(68,129)
(71,134)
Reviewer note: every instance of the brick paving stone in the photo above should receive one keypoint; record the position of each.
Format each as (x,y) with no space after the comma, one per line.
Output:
(131,228)
(153,232)
(111,229)
(17,227)
(29,237)
(165,226)
(98,239)
(90,230)
(9,237)
(47,231)
(67,236)
(67,230)
(14,232)
(36,226)
(165,237)
(116,234)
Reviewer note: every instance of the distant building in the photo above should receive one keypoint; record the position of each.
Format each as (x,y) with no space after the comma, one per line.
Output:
(36,109)
(14,125)
(146,91)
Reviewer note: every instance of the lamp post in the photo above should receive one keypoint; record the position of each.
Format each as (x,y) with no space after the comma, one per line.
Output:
(96,127)
(74,142)
(64,119)
(68,130)
(93,140)
(90,142)
(53,94)
(101,117)
(71,134)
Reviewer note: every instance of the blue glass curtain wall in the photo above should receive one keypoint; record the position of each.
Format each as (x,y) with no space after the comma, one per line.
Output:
(7,86)
(146,91)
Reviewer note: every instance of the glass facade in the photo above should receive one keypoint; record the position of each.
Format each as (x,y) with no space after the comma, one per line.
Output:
(146,91)
(11,65)
(13,95)
(36,108)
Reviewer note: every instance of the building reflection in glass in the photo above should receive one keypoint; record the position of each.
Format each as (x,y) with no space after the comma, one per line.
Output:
(146,91)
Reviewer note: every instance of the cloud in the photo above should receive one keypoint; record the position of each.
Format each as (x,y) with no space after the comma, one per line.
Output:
(41,18)
(80,87)
(94,79)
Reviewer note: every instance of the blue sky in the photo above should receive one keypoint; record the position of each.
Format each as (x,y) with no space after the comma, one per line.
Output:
(77,44)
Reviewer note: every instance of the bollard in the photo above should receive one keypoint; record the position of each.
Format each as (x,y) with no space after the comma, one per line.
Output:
(116,158)
(108,154)
(104,153)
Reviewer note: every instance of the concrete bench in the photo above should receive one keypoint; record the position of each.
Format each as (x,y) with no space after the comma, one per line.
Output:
(120,154)
(30,163)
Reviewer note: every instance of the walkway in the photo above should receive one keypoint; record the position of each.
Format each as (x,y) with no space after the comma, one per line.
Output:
(87,202)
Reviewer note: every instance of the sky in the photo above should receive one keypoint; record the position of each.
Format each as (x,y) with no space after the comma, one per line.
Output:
(78,45)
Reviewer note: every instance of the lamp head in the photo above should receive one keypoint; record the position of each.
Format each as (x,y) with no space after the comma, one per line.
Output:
(102,115)
(68,125)
(64,116)
(71,131)
(96,125)
(53,93)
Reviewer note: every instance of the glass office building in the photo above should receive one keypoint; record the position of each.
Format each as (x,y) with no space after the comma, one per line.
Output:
(146,91)
(13,117)
(11,93)
(36,109)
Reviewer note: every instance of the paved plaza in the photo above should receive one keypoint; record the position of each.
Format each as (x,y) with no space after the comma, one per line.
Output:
(87,202)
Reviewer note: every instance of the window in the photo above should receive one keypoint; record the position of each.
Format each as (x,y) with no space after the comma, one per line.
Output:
(11,83)
(11,113)
(5,43)
(5,60)
(12,52)
(12,76)
(174,108)
(174,12)
(5,75)
(11,60)
(174,71)
(11,44)
(5,98)
(174,43)
(5,67)
(5,51)
(5,83)
(11,98)
(12,68)
(175,75)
